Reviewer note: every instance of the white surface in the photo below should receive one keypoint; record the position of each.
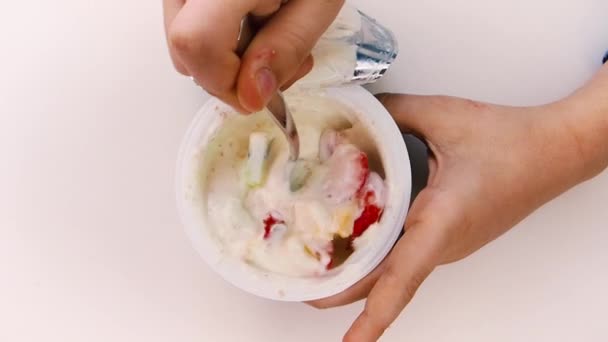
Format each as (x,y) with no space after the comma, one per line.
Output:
(91,115)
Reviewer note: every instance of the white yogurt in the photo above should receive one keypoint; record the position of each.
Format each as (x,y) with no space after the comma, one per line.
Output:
(244,217)
(221,215)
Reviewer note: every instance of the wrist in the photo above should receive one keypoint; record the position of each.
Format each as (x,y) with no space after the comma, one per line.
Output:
(584,122)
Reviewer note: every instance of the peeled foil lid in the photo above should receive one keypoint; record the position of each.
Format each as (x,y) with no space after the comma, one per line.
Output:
(355,49)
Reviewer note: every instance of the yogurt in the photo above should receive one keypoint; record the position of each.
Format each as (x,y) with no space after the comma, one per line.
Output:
(302,218)
(280,243)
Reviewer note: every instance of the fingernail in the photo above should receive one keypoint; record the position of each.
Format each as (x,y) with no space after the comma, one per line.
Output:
(267,84)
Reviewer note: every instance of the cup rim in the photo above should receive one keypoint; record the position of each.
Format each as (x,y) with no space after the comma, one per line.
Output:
(396,164)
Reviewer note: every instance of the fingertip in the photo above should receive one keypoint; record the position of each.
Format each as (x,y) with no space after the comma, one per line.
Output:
(247,96)
(363,330)
(257,82)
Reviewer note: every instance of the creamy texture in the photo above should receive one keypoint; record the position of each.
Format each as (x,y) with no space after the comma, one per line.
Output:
(335,54)
(272,227)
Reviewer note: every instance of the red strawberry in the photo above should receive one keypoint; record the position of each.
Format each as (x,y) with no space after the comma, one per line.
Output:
(372,199)
(347,173)
(370,215)
(270,222)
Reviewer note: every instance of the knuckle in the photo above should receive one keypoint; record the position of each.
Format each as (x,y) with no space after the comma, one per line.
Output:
(412,285)
(184,41)
(376,321)
(391,276)
(297,43)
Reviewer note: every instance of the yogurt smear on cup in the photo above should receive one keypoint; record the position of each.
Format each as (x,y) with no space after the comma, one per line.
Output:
(300,221)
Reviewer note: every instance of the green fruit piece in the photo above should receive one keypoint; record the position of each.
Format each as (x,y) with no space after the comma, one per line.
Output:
(300,173)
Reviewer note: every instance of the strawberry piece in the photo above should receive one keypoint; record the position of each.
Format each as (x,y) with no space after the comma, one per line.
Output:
(348,170)
(372,198)
(269,222)
(370,215)
(373,192)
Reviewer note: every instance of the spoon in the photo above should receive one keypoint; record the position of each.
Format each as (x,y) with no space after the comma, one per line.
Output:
(276,106)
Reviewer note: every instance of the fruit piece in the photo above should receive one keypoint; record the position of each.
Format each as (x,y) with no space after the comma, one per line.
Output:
(301,171)
(273,225)
(312,253)
(372,199)
(347,172)
(370,215)
(373,191)
(343,220)
(257,159)
(321,251)
(328,142)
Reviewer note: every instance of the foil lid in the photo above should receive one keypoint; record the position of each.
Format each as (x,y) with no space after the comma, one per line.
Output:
(376,50)
(355,49)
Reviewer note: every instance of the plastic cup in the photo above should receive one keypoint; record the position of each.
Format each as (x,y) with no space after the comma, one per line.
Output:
(191,204)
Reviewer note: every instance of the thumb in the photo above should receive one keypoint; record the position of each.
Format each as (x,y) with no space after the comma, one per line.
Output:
(414,257)
(409,265)
(417,114)
(281,47)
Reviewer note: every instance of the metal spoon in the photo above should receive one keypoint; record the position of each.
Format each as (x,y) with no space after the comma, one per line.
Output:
(276,106)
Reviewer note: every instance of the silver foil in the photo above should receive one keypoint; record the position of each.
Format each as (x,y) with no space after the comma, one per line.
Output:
(377,49)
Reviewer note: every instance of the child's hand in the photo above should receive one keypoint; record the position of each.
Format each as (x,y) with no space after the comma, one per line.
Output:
(490,166)
(202,37)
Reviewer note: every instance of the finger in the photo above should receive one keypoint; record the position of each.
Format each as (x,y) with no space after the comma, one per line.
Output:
(412,260)
(170,10)
(353,294)
(266,8)
(302,71)
(203,36)
(280,47)
(414,113)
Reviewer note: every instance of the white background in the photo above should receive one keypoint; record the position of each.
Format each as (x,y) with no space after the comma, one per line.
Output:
(91,115)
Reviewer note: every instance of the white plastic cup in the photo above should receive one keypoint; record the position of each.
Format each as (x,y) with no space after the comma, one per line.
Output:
(393,153)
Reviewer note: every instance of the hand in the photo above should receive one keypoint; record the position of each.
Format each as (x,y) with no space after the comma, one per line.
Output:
(202,37)
(490,166)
